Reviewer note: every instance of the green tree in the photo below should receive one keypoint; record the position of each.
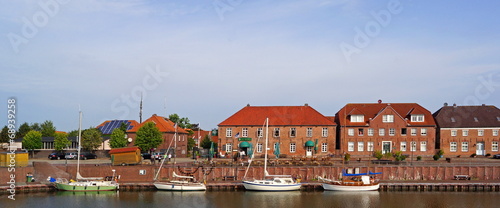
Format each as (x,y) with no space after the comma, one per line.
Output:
(91,139)
(73,133)
(61,141)
(35,127)
(32,141)
(123,127)
(23,130)
(48,129)
(148,137)
(182,122)
(190,144)
(118,139)
(205,143)
(4,135)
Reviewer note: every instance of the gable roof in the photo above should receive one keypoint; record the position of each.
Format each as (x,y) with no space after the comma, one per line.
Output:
(372,110)
(468,116)
(163,124)
(278,116)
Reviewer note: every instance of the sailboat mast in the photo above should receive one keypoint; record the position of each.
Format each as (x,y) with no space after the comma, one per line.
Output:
(265,146)
(175,143)
(79,143)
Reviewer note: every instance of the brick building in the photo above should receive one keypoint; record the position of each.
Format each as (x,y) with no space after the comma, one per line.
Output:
(168,130)
(389,127)
(464,130)
(294,130)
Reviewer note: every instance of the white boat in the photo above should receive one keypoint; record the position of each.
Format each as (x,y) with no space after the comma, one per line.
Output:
(270,182)
(85,184)
(354,182)
(180,183)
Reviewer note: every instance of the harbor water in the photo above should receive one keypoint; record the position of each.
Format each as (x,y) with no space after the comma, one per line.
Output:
(244,199)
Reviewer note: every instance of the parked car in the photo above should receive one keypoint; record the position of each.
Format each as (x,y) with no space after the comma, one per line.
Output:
(158,155)
(146,156)
(71,155)
(496,156)
(87,155)
(57,156)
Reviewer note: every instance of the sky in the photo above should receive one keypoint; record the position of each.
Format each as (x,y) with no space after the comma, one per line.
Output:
(206,60)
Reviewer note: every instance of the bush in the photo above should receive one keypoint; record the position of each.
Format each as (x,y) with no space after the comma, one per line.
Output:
(440,152)
(387,155)
(347,157)
(473,155)
(487,155)
(378,154)
(419,158)
(398,156)
(436,157)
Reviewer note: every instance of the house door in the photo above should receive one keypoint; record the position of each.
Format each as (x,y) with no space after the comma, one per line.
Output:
(480,148)
(386,147)
(309,151)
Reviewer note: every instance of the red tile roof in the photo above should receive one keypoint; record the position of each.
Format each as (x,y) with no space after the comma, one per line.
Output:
(372,110)
(163,124)
(278,116)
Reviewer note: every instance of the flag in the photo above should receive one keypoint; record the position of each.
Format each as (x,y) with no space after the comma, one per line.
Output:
(237,135)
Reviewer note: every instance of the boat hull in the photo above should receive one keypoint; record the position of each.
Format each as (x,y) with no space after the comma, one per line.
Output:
(86,187)
(255,186)
(180,186)
(338,187)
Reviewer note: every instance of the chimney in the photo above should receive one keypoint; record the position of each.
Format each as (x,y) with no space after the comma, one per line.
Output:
(306,104)
(379,101)
(454,105)
(445,104)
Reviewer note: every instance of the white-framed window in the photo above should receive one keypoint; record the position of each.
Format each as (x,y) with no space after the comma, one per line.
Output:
(229,132)
(293,147)
(229,147)
(324,132)
(387,118)
(260,133)
(350,146)
(370,146)
(244,132)
(495,132)
(413,131)
(465,132)
(392,132)
(403,147)
(357,118)
(259,147)
(480,132)
(361,146)
(453,132)
(324,147)
(309,132)
(453,146)
(423,131)
(413,146)
(417,118)
(361,132)
(381,132)
(276,132)
(293,132)
(465,146)
(423,146)
(370,131)
(350,132)
(494,146)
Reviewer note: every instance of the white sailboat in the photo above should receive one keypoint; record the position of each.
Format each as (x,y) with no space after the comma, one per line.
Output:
(273,182)
(85,184)
(356,182)
(181,183)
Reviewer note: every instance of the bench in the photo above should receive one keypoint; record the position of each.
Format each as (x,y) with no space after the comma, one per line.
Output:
(226,178)
(462,177)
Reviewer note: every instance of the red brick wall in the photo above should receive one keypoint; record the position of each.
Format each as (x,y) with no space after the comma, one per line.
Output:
(473,138)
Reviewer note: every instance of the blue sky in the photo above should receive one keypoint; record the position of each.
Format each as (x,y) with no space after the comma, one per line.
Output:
(205,60)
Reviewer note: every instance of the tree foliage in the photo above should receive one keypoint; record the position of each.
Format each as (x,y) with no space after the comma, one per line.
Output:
(32,140)
(48,129)
(23,130)
(148,137)
(190,144)
(61,141)
(182,122)
(378,154)
(118,139)
(73,133)
(36,127)
(91,139)
(206,142)
(4,135)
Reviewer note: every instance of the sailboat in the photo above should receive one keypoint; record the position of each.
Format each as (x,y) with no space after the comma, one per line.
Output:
(355,182)
(85,184)
(181,183)
(274,182)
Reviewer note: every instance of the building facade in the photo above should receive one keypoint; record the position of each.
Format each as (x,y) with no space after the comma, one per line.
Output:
(468,130)
(292,131)
(388,127)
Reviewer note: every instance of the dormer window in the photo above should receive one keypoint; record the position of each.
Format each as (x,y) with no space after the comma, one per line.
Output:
(417,118)
(475,119)
(498,118)
(357,118)
(452,119)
